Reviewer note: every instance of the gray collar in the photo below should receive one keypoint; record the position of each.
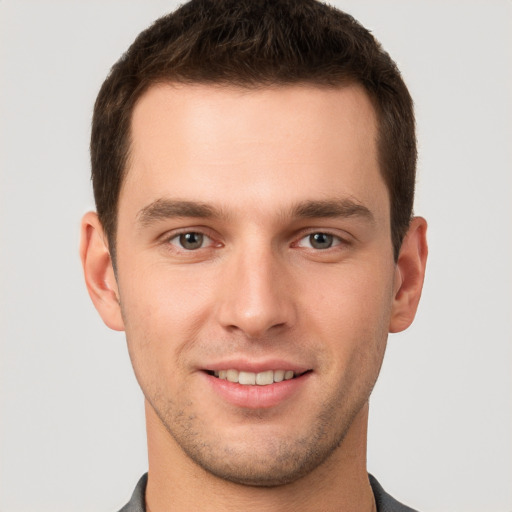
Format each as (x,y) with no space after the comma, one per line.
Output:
(385,502)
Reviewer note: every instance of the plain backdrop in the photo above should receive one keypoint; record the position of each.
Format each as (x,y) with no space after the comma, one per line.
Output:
(72,433)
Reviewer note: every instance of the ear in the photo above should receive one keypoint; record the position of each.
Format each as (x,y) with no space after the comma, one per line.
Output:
(99,272)
(409,275)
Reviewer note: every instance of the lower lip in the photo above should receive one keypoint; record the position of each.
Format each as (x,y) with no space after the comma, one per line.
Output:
(257,397)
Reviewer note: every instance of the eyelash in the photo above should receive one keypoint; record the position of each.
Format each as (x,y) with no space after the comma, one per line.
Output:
(177,237)
(336,240)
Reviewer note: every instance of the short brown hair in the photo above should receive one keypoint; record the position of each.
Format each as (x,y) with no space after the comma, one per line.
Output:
(255,43)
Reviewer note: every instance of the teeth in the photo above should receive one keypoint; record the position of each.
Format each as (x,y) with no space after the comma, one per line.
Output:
(247,378)
(250,378)
(265,378)
(279,375)
(232,375)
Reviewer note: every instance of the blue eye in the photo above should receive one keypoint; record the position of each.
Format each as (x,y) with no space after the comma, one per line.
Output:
(190,241)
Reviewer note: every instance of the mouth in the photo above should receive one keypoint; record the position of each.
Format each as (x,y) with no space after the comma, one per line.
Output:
(264,378)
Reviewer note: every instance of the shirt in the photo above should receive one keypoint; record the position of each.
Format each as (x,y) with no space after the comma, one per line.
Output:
(385,502)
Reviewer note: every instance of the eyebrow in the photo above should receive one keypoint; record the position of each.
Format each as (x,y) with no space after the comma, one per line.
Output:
(164,208)
(331,208)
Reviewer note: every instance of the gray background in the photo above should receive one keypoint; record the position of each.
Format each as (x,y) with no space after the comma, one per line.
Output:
(71,414)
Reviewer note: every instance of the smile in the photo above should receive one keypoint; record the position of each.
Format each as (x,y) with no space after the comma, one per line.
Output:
(264,378)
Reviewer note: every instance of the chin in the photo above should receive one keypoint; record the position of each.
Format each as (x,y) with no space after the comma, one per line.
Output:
(261,473)
(269,461)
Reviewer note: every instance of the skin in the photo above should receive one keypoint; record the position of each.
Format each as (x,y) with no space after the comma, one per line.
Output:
(256,173)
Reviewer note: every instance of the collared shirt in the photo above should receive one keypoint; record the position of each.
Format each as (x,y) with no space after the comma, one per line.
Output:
(385,502)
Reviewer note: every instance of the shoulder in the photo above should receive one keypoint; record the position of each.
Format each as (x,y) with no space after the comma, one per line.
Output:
(385,502)
(137,501)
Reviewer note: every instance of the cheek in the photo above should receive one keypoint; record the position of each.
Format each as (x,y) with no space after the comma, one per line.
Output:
(354,296)
(163,315)
(161,300)
(350,312)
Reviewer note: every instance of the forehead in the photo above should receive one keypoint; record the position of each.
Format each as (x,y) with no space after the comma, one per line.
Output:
(268,145)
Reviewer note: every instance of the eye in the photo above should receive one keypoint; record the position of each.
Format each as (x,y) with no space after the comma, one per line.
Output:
(319,241)
(190,241)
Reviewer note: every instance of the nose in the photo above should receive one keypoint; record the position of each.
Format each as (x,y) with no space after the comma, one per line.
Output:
(256,296)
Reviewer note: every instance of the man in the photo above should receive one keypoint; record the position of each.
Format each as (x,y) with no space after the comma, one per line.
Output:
(253,167)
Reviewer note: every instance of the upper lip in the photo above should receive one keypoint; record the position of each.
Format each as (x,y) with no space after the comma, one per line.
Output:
(253,366)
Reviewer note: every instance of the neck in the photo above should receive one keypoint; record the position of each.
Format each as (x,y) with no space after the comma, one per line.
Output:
(177,484)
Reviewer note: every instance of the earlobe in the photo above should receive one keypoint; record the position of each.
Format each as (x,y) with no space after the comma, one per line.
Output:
(99,272)
(409,276)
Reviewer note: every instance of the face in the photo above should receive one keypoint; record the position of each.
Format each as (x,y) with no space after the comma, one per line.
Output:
(254,245)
